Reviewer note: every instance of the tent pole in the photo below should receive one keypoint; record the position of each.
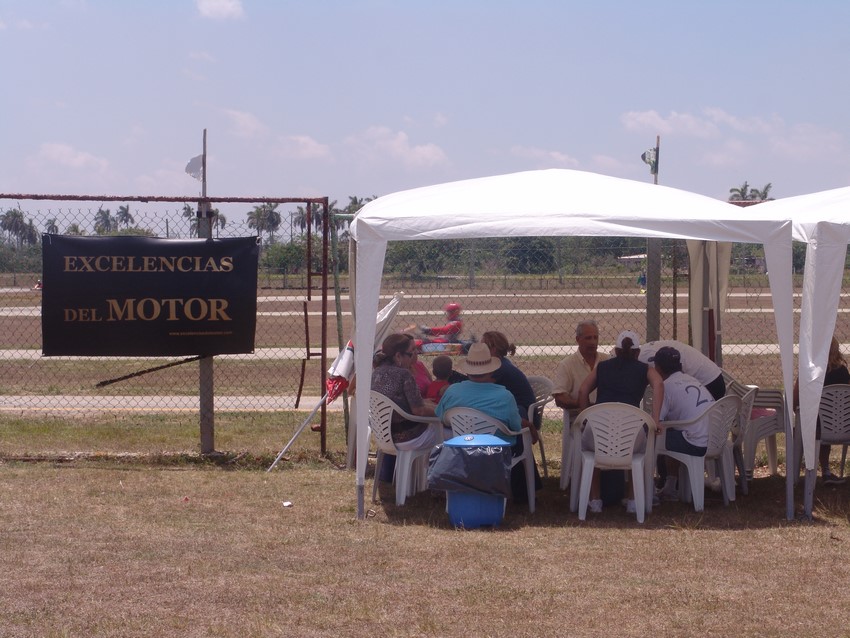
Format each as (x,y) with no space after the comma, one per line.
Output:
(809,492)
(791,469)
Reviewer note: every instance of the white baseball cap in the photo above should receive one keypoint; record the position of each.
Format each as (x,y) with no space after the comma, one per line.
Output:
(628,334)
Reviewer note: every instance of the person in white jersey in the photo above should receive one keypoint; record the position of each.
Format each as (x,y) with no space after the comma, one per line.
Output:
(694,363)
(685,398)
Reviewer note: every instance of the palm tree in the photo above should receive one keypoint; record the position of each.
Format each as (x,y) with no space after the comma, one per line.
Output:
(761,195)
(14,224)
(104,222)
(30,234)
(74,229)
(354,205)
(51,227)
(189,213)
(257,220)
(300,217)
(219,221)
(740,193)
(124,217)
(265,219)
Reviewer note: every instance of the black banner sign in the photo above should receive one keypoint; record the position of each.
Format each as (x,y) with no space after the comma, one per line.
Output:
(139,296)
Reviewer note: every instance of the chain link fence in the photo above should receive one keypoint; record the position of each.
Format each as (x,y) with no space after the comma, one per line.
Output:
(267,379)
(535,290)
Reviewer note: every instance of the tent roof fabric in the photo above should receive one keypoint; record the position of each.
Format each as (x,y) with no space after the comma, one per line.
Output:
(559,202)
(554,202)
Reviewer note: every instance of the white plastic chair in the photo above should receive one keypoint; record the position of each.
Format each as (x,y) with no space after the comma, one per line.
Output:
(747,394)
(470,421)
(763,427)
(834,415)
(615,428)
(542,387)
(722,417)
(567,455)
(411,466)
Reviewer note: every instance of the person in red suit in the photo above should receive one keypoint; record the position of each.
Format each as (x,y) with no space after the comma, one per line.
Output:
(452,328)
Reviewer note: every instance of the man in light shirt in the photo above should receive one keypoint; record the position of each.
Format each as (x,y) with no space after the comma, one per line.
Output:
(573,370)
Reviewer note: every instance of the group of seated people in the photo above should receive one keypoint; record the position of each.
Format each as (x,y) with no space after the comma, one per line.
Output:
(485,380)
(684,384)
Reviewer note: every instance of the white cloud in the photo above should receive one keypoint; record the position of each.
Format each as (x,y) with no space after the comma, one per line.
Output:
(735,141)
(166,180)
(805,142)
(675,123)
(544,158)
(379,142)
(220,9)
(244,124)
(303,147)
(2,25)
(742,124)
(731,153)
(66,156)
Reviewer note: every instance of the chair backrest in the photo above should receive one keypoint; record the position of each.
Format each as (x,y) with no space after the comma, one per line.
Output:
(834,413)
(542,387)
(471,421)
(737,388)
(764,398)
(723,417)
(380,420)
(615,428)
(744,412)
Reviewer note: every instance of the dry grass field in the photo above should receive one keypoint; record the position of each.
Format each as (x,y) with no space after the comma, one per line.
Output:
(115,527)
(112,525)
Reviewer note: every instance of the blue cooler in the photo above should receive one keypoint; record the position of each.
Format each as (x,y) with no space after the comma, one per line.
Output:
(470,510)
(470,506)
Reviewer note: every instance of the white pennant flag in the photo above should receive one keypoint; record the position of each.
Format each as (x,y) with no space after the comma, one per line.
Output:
(195,167)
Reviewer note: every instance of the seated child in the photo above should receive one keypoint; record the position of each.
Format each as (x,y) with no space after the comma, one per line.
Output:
(442,367)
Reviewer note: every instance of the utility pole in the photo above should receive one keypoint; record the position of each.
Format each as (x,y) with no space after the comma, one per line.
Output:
(653,261)
(206,377)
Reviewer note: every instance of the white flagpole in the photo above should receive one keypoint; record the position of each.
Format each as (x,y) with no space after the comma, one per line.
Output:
(298,432)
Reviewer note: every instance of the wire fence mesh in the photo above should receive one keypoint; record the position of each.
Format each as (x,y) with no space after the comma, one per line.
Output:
(535,290)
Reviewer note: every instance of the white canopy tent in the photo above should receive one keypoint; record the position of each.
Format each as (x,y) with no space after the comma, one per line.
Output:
(555,202)
(822,220)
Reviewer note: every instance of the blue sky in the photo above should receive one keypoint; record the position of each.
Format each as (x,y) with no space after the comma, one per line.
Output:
(320,97)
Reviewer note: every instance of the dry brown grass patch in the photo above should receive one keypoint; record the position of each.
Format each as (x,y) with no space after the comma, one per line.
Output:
(163,542)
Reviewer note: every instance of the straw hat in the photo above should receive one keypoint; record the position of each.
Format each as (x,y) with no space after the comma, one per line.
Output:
(478,361)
